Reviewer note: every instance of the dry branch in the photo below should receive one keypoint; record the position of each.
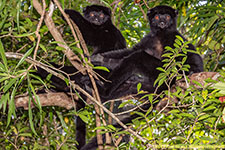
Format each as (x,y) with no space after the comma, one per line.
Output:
(47,99)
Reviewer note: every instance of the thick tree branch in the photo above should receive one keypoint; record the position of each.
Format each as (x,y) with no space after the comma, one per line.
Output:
(47,99)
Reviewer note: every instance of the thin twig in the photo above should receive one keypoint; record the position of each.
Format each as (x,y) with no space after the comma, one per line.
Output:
(38,29)
(57,36)
(146,4)
(143,12)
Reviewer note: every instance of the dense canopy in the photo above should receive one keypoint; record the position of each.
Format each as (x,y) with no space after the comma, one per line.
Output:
(33,34)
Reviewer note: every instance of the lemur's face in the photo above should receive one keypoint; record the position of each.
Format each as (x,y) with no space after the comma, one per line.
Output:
(97,17)
(162,17)
(162,21)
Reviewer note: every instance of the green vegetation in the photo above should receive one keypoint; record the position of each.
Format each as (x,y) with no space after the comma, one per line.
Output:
(199,119)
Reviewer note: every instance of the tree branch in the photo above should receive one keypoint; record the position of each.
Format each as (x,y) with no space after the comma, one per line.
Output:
(75,61)
(47,99)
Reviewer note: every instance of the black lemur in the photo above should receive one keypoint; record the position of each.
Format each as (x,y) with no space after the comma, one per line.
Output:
(140,63)
(99,32)
(163,24)
(97,28)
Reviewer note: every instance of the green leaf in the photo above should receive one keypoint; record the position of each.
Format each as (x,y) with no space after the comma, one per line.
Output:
(161,69)
(9,85)
(2,52)
(43,47)
(74,43)
(192,51)
(210,108)
(223,116)
(162,80)
(197,83)
(211,22)
(24,57)
(37,102)
(101,68)
(140,114)
(60,48)
(168,48)
(187,115)
(203,117)
(125,103)
(12,108)
(22,129)
(2,4)
(223,40)
(3,101)
(167,55)
(83,116)
(111,127)
(220,86)
(59,114)
(138,87)
(175,111)
(26,134)
(180,38)
(57,42)
(178,42)
(201,100)
(18,15)
(4,78)
(79,50)
(2,68)
(38,78)
(150,98)
(205,94)
(30,113)
(214,45)
(101,128)
(24,35)
(176,46)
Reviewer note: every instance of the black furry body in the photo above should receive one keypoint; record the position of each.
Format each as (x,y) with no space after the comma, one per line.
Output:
(140,62)
(102,36)
(154,43)
(98,32)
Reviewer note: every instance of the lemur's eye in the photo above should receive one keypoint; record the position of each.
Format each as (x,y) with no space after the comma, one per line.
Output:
(156,17)
(92,14)
(102,15)
(167,17)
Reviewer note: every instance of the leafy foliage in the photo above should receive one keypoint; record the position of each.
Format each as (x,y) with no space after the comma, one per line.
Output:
(198,119)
